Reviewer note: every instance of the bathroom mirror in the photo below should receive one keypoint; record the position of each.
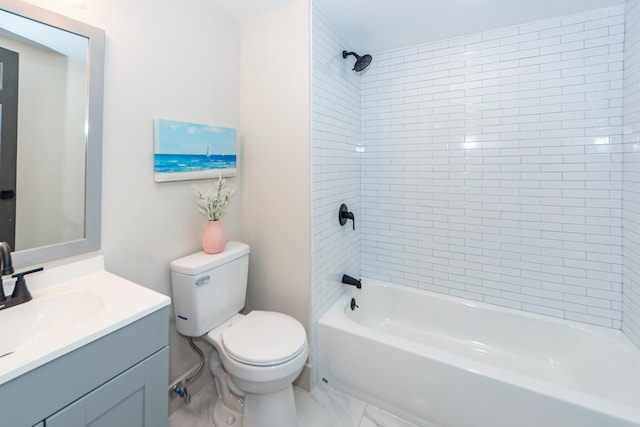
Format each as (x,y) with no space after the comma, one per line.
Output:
(51,96)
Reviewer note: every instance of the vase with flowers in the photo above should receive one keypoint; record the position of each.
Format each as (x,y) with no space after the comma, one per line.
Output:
(212,204)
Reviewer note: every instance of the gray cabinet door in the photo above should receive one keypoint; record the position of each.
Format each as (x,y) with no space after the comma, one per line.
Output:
(135,398)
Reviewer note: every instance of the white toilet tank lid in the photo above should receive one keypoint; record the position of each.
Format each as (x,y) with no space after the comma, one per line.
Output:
(264,338)
(201,261)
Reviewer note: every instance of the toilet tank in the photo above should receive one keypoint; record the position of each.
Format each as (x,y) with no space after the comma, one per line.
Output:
(209,289)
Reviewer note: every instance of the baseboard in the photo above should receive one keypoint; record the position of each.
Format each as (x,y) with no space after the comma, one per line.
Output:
(304,379)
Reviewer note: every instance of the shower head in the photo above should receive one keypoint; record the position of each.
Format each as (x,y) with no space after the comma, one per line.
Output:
(362,62)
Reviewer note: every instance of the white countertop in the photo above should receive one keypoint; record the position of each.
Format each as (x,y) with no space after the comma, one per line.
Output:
(72,305)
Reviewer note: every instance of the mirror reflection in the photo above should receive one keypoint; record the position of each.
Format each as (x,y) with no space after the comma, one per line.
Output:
(51,71)
(44,80)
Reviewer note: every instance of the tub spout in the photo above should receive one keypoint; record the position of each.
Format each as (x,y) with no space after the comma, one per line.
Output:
(348,280)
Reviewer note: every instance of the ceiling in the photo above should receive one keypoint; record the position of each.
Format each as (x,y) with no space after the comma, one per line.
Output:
(376,25)
(245,9)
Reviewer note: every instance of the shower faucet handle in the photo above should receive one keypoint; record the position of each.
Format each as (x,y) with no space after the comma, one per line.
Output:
(344,215)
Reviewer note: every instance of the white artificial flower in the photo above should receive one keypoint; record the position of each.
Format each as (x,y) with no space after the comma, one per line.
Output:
(212,205)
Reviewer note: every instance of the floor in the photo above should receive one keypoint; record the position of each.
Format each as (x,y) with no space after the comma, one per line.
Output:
(323,407)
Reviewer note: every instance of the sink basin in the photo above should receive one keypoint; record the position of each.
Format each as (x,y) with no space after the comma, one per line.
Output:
(46,318)
(73,305)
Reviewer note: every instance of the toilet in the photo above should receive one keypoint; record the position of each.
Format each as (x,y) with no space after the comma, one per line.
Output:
(255,357)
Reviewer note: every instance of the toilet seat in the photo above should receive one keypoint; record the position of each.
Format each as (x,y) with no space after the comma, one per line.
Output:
(264,338)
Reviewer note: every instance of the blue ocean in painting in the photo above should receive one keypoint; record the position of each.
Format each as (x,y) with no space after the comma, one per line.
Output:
(171,163)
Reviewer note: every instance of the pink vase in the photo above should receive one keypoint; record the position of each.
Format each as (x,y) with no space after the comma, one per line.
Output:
(214,239)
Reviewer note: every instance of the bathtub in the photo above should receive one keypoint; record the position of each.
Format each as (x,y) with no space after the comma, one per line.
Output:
(441,361)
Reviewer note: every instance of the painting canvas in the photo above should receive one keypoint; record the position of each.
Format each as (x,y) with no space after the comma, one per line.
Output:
(185,151)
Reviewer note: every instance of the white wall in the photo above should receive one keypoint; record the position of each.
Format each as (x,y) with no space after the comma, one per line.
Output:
(631,175)
(335,163)
(493,166)
(163,60)
(275,131)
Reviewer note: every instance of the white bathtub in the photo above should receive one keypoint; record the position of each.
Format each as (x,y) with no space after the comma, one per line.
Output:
(447,362)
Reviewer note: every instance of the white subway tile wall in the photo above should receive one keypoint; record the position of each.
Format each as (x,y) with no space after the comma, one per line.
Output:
(335,164)
(631,175)
(492,166)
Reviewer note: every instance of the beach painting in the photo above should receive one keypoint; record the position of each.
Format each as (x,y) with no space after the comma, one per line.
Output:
(185,151)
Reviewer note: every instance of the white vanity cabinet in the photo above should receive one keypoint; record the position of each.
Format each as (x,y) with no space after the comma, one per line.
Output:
(117,380)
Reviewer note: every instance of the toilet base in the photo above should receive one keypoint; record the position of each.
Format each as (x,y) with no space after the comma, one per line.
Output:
(270,409)
(260,410)
(222,416)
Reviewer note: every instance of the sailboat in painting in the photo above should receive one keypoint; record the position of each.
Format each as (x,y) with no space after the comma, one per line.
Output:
(179,152)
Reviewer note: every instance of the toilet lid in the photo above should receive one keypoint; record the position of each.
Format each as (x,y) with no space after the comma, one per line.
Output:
(264,338)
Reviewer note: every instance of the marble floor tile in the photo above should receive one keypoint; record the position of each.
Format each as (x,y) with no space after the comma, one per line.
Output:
(376,417)
(323,407)
(326,407)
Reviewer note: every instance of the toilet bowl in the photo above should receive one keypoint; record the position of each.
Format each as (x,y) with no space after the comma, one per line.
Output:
(262,353)
(255,357)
